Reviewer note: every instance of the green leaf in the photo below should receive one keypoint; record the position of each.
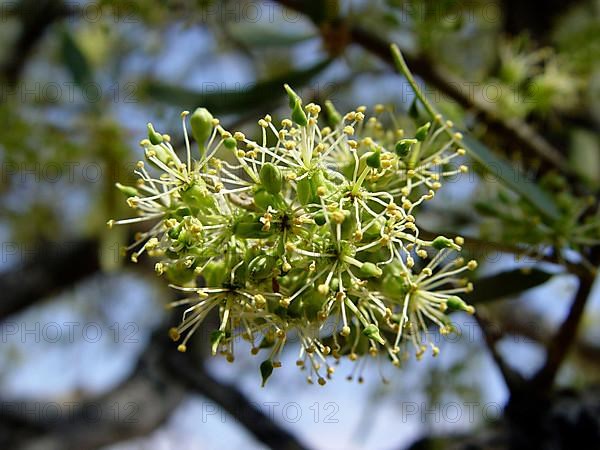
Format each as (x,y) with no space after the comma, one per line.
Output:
(511,177)
(75,60)
(231,101)
(259,36)
(506,284)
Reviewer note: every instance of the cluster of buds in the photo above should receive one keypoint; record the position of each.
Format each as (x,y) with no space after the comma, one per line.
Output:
(309,230)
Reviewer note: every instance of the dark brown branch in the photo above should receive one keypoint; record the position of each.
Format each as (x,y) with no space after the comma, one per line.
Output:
(492,335)
(133,409)
(36,17)
(531,325)
(194,377)
(47,269)
(562,342)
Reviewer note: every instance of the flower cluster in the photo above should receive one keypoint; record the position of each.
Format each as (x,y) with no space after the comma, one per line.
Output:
(309,230)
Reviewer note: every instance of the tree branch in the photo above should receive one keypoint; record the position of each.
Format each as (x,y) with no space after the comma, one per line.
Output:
(36,17)
(135,408)
(51,268)
(491,334)
(231,399)
(562,342)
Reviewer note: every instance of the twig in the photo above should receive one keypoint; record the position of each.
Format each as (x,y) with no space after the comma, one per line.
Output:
(52,267)
(562,342)
(36,18)
(135,408)
(512,378)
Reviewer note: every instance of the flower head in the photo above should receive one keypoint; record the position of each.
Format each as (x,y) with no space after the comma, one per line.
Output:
(310,229)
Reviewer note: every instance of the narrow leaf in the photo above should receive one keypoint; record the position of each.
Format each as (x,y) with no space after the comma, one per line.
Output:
(511,177)
(75,60)
(506,284)
(231,101)
(255,36)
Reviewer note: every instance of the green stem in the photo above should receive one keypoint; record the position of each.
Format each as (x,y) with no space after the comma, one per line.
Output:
(404,70)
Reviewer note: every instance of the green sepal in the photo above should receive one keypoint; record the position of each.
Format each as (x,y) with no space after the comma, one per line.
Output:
(422,131)
(334,118)
(370,270)
(442,242)
(129,191)
(154,137)
(372,332)
(298,114)
(403,146)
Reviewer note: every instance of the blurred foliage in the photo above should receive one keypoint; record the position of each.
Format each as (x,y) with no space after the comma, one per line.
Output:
(96,76)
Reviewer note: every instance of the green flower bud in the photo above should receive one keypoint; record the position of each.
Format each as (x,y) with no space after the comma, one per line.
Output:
(271,178)
(320,218)
(370,270)
(198,196)
(374,231)
(230,143)
(335,284)
(422,131)
(372,332)
(160,152)
(266,369)
(307,188)
(442,242)
(458,303)
(403,147)
(179,274)
(214,273)
(261,267)
(348,225)
(154,137)
(202,127)
(127,190)
(333,116)
(305,191)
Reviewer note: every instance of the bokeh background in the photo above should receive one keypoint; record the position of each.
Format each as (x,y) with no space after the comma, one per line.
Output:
(84,359)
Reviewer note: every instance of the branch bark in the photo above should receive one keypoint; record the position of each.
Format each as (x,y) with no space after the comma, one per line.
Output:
(46,270)
(134,408)
(563,341)
(195,378)
(36,17)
